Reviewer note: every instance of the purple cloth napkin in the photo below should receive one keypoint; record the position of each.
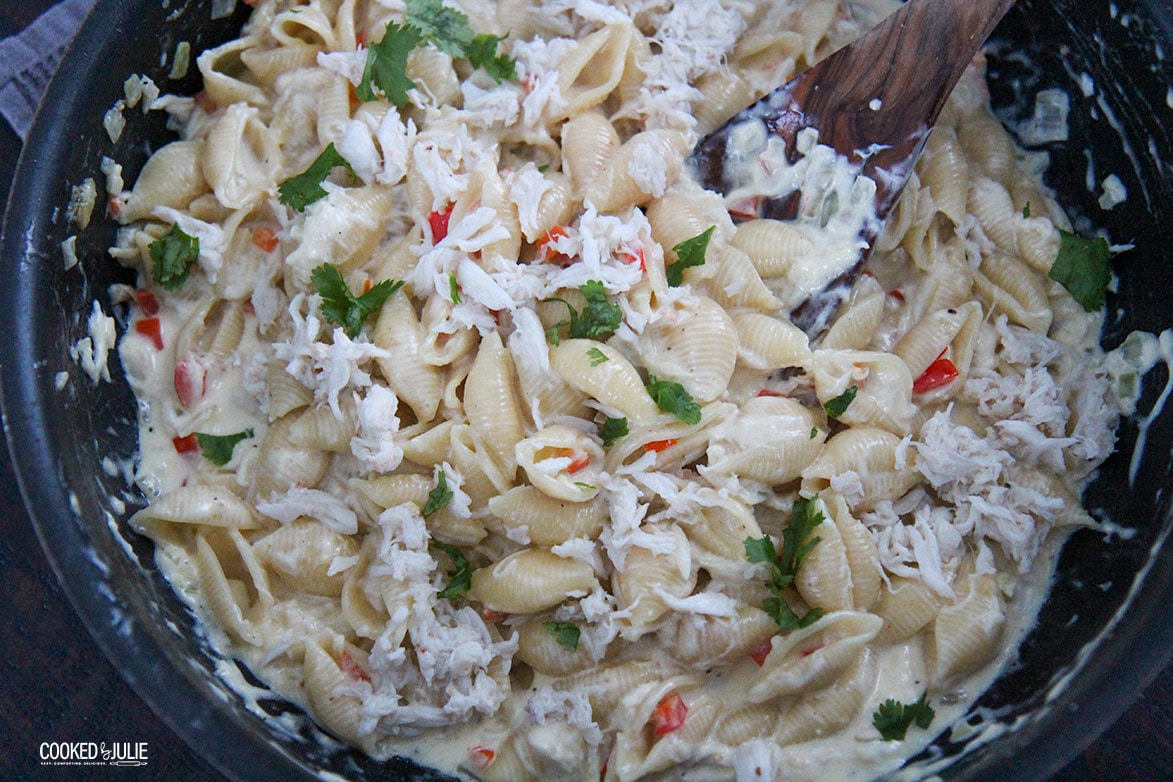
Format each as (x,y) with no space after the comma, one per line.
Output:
(27,61)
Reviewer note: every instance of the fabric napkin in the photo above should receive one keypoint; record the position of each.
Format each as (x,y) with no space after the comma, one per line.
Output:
(27,61)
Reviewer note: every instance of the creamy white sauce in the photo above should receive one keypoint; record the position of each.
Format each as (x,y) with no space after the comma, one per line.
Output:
(837,204)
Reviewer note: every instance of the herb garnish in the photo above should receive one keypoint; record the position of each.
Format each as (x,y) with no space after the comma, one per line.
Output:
(597,356)
(784,566)
(598,319)
(672,398)
(300,191)
(218,448)
(386,66)
(439,496)
(893,718)
(1082,268)
(565,633)
(453,288)
(460,577)
(838,406)
(689,253)
(343,308)
(447,29)
(613,429)
(173,254)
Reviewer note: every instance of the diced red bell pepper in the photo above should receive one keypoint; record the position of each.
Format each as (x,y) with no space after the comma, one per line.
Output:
(265,238)
(190,382)
(147,301)
(770,392)
(636,256)
(188,444)
(939,373)
(547,242)
(669,714)
(660,445)
(762,650)
(579,459)
(438,221)
(150,328)
(480,757)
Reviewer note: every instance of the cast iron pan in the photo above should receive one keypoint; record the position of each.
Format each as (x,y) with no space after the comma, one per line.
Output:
(68,445)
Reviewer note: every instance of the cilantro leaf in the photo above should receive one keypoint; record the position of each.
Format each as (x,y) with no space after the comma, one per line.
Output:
(218,448)
(689,253)
(838,406)
(803,520)
(343,308)
(300,191)
(598,320)
(784,566)
(597,356)
(453,288)
(460,577)
(672,398)
(447,29)
(893,718)
(1082,268)
(386,66)
(613,429)
(482,53)
(438,497)
(173,254)
(565,633)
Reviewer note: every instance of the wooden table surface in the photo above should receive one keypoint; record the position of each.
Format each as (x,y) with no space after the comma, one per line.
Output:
(56,686)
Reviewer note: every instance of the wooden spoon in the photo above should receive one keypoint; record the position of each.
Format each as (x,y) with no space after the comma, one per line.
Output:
(874,102)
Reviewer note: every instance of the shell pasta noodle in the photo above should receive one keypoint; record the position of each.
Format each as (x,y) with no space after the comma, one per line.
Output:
(473,426)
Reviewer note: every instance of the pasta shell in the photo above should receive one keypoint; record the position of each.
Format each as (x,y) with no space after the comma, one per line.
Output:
(530,581)
(692,342)
(171,177)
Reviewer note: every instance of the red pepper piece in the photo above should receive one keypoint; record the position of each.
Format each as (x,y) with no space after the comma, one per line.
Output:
(150,328)
(669,714)
(439,223)
(939,373)
(187,444)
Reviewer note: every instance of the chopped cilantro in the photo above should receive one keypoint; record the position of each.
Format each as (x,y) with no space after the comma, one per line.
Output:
(453,289)
(598,319)
(784,566)
(893,718)
(385,71)
(838,406)
(814,432)
(672,398)
(565,633)
(689,253)
(460,577)
(386,66)
(447,29)
(343,308)
(439,496)
(218,448)
(300,191)
(1026,211)
(1082,268)
(174,255)
(585,485)
(597,356)
(613,429)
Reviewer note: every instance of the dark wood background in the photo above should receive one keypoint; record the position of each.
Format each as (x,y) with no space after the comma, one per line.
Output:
(55,684)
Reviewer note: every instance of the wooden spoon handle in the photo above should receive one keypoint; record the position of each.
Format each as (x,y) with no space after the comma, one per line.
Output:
(897,78)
